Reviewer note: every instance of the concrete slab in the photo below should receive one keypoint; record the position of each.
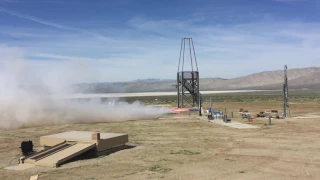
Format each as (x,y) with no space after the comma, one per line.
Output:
(20,167)
(106,141)
(47,152)
(175,117)
(56,159)
(305,117)
(35,177)
(67,145)
(233,124)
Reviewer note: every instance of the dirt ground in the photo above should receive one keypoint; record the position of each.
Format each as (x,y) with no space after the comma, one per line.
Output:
(189,148)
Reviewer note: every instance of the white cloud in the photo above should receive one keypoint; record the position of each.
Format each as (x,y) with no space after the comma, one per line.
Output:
(10,1)
(246,48)
(150,48)
(10,53)
(287,1)
(52,24)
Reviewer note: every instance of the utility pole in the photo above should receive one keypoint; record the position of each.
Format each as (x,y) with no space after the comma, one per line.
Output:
(285,93)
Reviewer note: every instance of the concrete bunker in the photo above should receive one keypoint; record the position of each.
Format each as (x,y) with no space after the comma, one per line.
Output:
(65,146)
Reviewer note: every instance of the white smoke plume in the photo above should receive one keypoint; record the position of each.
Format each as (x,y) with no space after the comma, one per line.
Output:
(26,97)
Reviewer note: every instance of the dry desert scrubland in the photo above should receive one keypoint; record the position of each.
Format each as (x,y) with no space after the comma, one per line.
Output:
(189,148)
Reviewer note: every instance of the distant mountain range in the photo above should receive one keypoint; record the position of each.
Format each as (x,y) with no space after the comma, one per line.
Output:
(303,78)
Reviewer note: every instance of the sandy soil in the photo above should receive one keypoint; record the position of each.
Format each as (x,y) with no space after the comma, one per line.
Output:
(189,149)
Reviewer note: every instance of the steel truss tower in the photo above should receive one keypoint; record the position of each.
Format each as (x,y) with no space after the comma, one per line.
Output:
(188,94)
(285,93)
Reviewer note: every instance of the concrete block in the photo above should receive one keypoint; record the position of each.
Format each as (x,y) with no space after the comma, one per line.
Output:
(95,136)
(106,140)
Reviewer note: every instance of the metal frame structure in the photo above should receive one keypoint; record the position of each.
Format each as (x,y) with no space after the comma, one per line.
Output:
(285,93)
(188,93)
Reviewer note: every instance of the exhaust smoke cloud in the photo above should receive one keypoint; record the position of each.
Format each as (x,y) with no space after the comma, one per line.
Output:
(26,96)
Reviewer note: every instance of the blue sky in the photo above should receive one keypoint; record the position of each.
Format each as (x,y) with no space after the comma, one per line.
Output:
(123,40)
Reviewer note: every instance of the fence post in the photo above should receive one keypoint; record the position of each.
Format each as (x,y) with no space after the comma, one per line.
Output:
(269,120)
